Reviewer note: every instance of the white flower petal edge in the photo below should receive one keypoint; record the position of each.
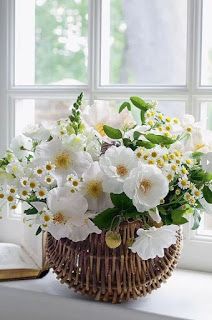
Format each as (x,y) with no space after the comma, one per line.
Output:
(152,242)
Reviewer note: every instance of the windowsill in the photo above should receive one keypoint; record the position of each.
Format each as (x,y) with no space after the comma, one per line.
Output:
(186,295)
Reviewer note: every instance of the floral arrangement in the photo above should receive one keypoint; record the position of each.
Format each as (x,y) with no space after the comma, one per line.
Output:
(100,167)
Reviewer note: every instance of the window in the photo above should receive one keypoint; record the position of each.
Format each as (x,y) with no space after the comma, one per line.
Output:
(109,49)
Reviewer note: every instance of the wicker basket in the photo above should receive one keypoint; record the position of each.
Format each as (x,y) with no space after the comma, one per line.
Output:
(109,274)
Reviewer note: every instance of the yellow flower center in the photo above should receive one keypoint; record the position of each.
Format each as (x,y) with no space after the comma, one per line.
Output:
(1,195)
(46,217)
(99,128)
(121,170)
(154,154)
(145,185)
(12,190)
(94,188)
(49,167)
(41,193)
(75,183)
(10,198)
(170,177)
(151,161)
(189,129)
(39,171)
(32,184)
(184,182)
(59,218)
(63,160)
(48,179)
(24,193)
(138,154)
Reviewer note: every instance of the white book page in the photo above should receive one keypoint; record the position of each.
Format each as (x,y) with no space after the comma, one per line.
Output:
(13,256)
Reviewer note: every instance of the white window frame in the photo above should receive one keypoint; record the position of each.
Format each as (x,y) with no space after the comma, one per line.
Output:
(196,248)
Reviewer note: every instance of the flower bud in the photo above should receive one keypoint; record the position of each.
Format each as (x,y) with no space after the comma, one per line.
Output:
(113,239)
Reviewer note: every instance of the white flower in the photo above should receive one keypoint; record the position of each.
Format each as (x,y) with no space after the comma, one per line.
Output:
(21,146)
(154,214)
(64,160)
(146,186)
(102,113)
(41,193)
(184,183)
(92,189)
(151,243)
(15,168)
(37,132)
(33,184)
(68,210)
(93,145)
(116,163)
(82,232)
(206,162)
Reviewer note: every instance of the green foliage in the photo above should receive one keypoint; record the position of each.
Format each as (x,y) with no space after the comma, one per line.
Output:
(140,103)
(121,201)
(177,217)
(31,211)
(200,176)
(107,218)
(207,193)
(159,139)
(145,144)
(142,116)
(112,132)
(125,105)
(75,116)
(39,230)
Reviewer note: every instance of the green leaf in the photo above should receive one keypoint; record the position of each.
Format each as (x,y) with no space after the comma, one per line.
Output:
(132,214)
(177,217)
(159,139)
(142,116)
(139,103)
(125,105)
(121,201)
(201,175)
(145,144)
(112,132)
(127,142)
(197,155)
(39,230)
(207,193)
(136,135)
(197,219)
(31,211)
(106,218)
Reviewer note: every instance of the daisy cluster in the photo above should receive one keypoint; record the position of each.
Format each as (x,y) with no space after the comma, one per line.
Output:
(99,167)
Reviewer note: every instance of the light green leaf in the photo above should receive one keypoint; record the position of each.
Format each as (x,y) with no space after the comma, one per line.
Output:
(159,139)
(139,103)
(106,218)
(125,105)
(177,217)
(112,132)
(142,116)
(145,144)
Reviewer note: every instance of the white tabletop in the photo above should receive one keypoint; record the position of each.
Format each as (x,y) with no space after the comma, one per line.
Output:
(186,295)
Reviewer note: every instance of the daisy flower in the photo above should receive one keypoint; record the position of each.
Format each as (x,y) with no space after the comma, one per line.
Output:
(184,183)
(41,193)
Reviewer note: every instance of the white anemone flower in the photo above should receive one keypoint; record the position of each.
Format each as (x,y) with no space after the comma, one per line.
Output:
(37,132)
(81,233)
(154,214)
(102,113)
(146,186)
(21,146)
(152,242)
(68,210)
(65,160)
(92,189)
(206,162)
(116,164)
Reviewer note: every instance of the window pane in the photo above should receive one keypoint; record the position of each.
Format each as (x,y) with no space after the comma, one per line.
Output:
(206,120)
(206,76)
(51,42)
(144,42)
(31,111)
